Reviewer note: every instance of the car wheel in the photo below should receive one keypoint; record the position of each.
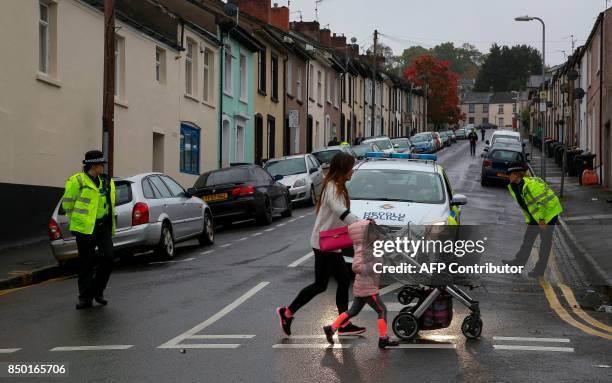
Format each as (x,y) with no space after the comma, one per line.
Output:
(265,216)
(208,234)
(483,181)
(313,196)
(289,211)
(165,247)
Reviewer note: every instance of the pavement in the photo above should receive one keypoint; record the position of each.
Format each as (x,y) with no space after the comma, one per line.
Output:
(209,314)
(26,263)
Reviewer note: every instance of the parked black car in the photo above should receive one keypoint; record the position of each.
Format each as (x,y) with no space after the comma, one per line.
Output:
(496,162)
(243,192)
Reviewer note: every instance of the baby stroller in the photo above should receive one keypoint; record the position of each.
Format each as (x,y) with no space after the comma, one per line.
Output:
(427,300)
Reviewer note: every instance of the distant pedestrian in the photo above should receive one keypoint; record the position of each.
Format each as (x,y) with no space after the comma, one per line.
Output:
(358,139)
(541,209)
(473,137)
(333,211)
(482,133)
(334,142)
(365,287)
(89,203)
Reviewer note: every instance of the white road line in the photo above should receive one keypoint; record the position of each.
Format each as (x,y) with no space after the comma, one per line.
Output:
(311,345)
(323,336)
(300,217)
(243,239)
(270,229)
(177,261)
(532,348)
(94,348)
(426,345)
(297,262)
(231,336)
(8,350)
(291,220)
(390,288)
(206,345)
(226,245)
(551,340)
(206,252)
(174,343)
(281,225)
(438,337)
(256,234)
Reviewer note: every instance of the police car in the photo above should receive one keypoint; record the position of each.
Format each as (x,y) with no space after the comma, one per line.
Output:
(400,188)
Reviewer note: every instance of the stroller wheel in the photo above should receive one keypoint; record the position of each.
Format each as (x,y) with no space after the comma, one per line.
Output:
(405,326)
(471,327)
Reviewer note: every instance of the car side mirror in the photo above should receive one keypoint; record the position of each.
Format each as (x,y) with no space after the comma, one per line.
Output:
(458,200)
(191,192)
(487,142)
(278,177)
(312,170)
(396,146)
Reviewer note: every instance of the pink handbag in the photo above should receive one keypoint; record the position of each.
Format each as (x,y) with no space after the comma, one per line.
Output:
(335,239)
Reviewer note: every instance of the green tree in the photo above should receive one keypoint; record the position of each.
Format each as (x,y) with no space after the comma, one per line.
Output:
(507,68)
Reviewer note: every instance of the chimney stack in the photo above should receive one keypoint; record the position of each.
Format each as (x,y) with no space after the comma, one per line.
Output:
(325,37)
(260,9)
(307,28)
(279,17)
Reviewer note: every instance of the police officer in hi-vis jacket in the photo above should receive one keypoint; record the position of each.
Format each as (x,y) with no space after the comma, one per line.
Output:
(89,203)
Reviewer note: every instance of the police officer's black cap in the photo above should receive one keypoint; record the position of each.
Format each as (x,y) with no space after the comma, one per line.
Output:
(93,157)
(516,168)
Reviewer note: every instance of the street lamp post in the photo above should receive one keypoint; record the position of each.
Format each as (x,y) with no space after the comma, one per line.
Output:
(529,18)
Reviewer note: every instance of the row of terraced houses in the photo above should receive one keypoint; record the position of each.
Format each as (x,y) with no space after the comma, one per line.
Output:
(199,85)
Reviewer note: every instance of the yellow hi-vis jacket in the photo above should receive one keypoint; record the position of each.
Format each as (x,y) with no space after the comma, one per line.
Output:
(540,199)
(80,202)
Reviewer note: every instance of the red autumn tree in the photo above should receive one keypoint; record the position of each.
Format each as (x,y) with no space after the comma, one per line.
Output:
(442,100)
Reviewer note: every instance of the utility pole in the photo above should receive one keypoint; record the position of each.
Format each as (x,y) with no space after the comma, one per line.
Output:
(108,103)
(374,70)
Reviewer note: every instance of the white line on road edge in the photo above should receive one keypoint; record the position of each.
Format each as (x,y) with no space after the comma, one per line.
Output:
(226,245)
(177,261)
(271,229)
(231,336)
(551,340)
(300,217)
(425,345)
(206,345)
(94,348)
(532,348)
(174,343)
(8,350)
(281,225)
(311,345)
(297,262)
(206,252)
(256,234)
(291,220)
(323,336)
(243,239)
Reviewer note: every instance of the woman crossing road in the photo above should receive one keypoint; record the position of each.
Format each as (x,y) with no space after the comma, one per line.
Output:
(332,212)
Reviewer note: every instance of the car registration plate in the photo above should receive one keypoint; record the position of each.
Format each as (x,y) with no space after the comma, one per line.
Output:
(504,175)
(215,197)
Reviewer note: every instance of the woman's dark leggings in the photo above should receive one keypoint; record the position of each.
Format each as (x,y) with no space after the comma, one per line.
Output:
(326,264)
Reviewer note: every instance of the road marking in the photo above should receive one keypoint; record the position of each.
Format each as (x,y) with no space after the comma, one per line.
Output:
(256,234)
(174,343)
(231,336)
(226,245)
(311,345)
(177,261)
(532,348)
(206,345)
(528,339)
(324,337)
(8,350)
(587,217)
(281,225)
(425,345)
(206,252)
(291,220)
(94,348)
(271,229)
(242,239)
(390,288)
(569,296)
(297,262)
(554,303)
(300,217)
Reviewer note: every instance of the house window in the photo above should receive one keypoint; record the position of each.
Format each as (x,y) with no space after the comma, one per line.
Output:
(274,62)
(227,69)
(225,143)
(119,66)
(319,86)
(311,83)
(44,37)
(336,92)
(471,120)
(501,122)
(160,65)
(289,71)
(299,83)
(500,109)
(261,70)
(472,108)
(514,108)
(328,87)
(189,64)
(343,85)
(190,149)
(485,108)
(243,77)
(239,149)
(207,75)
(485,120)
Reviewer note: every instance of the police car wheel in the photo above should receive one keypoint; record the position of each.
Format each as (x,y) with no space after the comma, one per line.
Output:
(165,247)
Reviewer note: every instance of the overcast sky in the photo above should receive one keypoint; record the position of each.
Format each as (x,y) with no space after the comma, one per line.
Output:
(480,22)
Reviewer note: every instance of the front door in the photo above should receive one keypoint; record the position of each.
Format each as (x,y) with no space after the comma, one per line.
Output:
(258,139)
(309,135)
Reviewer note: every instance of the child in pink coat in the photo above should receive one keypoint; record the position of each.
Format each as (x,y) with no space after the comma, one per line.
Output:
(365,287)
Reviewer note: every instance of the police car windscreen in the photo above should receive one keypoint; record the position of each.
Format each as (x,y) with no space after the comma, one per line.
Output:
(396,185)
(286,167)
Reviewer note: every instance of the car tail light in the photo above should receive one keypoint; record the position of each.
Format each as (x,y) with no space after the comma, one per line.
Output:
(243,190)
(140,214)
(54,230)
(487,163)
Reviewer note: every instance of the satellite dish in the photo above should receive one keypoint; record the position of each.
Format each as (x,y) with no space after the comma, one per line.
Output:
(353,40)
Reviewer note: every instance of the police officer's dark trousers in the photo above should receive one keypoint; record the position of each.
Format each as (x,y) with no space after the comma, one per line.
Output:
(95,268)
(546,238)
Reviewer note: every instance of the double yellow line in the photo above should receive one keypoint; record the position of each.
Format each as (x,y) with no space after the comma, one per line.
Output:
(554,303)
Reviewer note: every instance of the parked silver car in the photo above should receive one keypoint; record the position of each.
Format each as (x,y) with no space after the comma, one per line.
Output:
(301,174)
(153,212)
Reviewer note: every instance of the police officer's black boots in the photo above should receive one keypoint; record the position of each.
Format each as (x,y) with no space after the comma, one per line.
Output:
(101,300)
(83,304)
